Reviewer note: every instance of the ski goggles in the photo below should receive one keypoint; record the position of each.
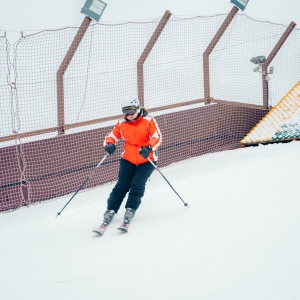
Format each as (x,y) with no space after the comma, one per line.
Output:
(129,111)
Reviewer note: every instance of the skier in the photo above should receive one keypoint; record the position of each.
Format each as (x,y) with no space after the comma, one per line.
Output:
(142,137)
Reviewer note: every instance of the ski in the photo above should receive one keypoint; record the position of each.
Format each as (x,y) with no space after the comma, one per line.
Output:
(108,216)
(101,229)
(123,227)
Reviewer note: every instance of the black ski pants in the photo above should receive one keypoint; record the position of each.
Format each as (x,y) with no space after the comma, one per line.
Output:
(132,178)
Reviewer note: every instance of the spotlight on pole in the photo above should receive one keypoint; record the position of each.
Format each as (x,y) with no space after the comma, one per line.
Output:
(241,4)
(93,9)
(258,61)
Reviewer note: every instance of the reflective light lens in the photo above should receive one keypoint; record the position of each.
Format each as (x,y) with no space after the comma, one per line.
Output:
(98,7)
(241,4)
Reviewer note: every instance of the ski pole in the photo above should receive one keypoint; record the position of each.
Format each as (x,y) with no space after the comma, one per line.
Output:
(154,165)
(84,182)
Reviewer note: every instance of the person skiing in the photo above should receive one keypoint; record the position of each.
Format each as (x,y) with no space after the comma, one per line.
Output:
(142,137)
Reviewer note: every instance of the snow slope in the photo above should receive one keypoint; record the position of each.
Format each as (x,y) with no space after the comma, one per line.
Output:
(238,240)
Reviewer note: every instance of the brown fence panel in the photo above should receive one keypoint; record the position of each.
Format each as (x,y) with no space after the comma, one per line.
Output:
(57,166)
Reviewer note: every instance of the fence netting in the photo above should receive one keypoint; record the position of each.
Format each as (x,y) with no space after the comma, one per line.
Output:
(104,70)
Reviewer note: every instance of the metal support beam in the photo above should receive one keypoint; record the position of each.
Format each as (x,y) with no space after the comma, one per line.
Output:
(267,62)
(209,49)
(140,64)
(61,71)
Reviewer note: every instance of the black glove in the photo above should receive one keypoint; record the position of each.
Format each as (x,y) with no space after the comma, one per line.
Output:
(110,148)
(145,151)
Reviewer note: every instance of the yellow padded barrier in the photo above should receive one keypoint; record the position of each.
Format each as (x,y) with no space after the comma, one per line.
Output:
(269,127)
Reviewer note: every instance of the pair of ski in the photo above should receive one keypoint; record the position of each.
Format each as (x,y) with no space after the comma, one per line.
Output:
(102,228)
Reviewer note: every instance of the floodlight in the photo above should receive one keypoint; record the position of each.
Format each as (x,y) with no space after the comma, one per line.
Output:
(257,68)
(241,4)
(93,9)
(258,59)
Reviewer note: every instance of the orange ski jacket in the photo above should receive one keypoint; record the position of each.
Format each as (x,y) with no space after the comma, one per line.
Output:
(142,132)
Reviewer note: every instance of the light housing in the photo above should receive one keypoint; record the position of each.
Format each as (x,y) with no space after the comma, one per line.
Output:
(258,59)
(93,9)
(241,4)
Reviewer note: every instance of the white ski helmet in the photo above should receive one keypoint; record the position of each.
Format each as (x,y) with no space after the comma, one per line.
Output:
(131,101)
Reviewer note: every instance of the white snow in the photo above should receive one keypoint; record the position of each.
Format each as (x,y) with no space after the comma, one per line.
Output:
(238,240)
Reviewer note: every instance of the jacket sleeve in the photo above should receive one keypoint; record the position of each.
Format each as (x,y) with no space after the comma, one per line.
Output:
(114,136)
(155,135)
